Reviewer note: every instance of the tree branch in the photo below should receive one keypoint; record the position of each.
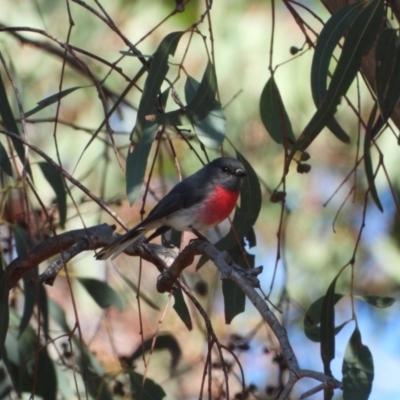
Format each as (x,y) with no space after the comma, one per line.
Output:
(69,244)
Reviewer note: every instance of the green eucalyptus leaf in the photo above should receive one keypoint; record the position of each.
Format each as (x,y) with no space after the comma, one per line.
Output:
(359,39)
(199,106)
(312,319)
(357,369)
(181,308)
(4,309)
(103,294)
(5,163)
(211,129)
(147,390)
(145,130)
(369,170)
(378,301)
(54,178)
(328,327)
(10,124)
(54,98)
(328,39)
(274,115)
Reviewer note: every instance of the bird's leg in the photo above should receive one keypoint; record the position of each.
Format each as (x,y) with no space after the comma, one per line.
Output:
(159,231)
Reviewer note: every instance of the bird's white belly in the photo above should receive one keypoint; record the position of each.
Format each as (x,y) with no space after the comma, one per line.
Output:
(185,220)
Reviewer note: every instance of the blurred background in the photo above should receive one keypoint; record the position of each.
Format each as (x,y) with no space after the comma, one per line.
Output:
(324,209)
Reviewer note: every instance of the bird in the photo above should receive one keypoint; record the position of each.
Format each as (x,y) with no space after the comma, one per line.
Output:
(197,203)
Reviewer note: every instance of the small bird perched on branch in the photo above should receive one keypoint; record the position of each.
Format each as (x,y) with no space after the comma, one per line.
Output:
(195,204)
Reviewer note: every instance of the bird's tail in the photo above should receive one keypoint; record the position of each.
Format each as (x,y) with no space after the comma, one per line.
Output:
(117,247)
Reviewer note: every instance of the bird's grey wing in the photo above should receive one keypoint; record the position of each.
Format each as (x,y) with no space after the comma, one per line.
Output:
(183,195)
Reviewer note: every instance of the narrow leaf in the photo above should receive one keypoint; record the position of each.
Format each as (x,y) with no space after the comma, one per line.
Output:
(4,310)
(46,377)
(9,122)
(147,390)
(359,39)
(274,115)
(312,319)
(163,341)
(21,240)
(104,295)
(378,301)
(181,308)
(5,163)
(199,106)
(234,297)
(328,328)
(43,308)
(144,130)
(211,129)
(327,41)
(56,182)
(21,243)
(29,300)
(94,379)
(387,61)
(54,98)
(58,315)
(357,369)
(135,289)
(136,162)
(369,171)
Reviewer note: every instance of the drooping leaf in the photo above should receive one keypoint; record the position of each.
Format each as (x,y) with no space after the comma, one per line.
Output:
(46,377)
(136,162)
(147,390)
(4,310)
(135,289)
(27,365)
(387,61)
(5,386)
(312,319)
(181,308)
(211,129)
(58,315)
(145,130)
(357,369)
(5,163)
(43,309)
(328,39)
(54,98)
(358,41)
(21,240)
(369,171)
(103,294)
(56,182)
(199,106)
(234,297)
(378,301)
(94,376)
(274,115)
(10,124)
(165,341)
(328,327)
(29,300)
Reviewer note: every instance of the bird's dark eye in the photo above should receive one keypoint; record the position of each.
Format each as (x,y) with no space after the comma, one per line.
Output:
(225,169)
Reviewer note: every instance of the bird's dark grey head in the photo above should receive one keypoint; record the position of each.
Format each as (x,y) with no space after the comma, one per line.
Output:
(227,172)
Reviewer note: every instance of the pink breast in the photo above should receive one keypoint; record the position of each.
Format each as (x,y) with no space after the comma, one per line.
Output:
(217,206)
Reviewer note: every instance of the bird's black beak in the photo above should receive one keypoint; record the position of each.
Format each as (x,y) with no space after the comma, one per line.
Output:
(240,173)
